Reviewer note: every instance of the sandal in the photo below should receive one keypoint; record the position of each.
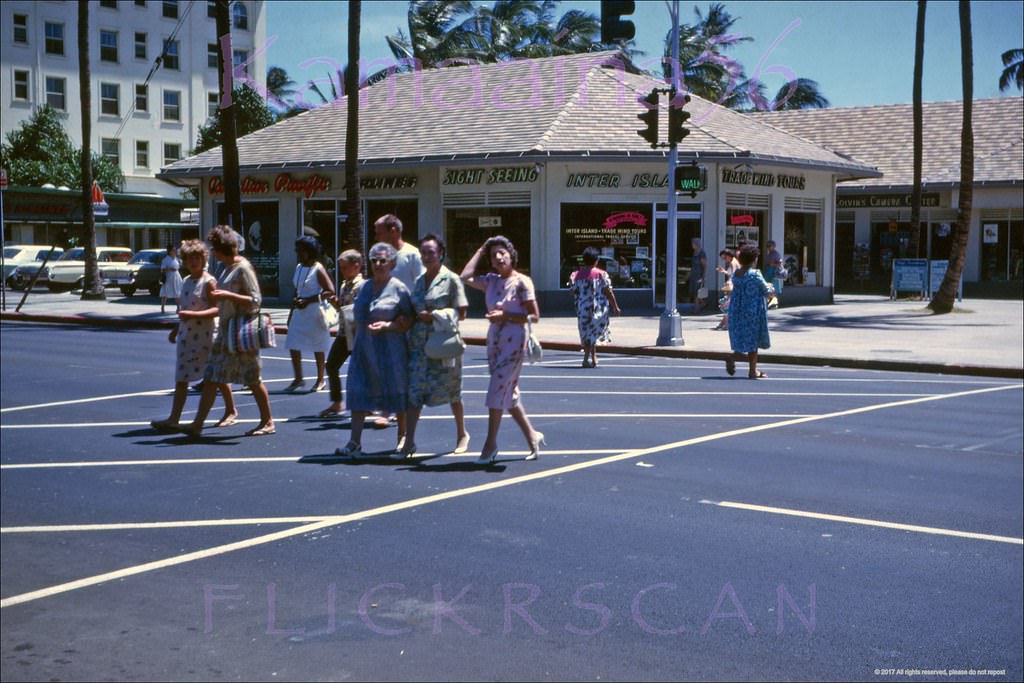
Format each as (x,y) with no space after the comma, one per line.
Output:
(164,425)
(757,375)
(227,421)
(265,430)
(330,412)
(295,385)
(319,386)
(730,366)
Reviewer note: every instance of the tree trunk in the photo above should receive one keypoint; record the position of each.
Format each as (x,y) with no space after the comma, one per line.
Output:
(92,287)
(915,201)
(943,301)
(355,237)
(228,134)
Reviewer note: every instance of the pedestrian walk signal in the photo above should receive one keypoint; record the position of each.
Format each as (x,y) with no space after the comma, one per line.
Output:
(613,27)
(692,179)
(650,118)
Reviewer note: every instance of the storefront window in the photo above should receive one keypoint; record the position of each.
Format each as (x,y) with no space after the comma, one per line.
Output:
(407,211)
(800,249)
(467,229)
(260,234)
(746,226)
(119,237)
(1002,250)
(621,232)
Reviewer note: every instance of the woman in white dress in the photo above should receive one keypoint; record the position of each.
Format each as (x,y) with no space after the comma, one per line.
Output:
(171,288)
(307,330)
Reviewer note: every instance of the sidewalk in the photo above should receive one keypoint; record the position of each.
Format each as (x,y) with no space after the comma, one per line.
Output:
(982,337)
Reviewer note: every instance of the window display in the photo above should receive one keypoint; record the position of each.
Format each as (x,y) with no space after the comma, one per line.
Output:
(621,232)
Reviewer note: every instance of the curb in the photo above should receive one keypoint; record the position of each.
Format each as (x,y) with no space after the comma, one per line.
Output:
(653,351)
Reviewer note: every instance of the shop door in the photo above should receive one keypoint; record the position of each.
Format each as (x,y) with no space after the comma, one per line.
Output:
(688,227)
(845,258)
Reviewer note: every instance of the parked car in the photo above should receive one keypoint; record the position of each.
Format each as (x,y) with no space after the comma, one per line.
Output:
(142,272)
(69,272)
(21,261)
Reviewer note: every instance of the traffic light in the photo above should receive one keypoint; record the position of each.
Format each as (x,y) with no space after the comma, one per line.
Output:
(677,116)
(613,26)
(690,178)
(650,118)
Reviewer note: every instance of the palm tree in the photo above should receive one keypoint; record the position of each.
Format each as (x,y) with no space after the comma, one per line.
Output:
(439,30)
(705,69)
(802,93)
(915,197)
(279,87)
(336,89)
(1013,60)
(92,288)
(943,301)
(354,235)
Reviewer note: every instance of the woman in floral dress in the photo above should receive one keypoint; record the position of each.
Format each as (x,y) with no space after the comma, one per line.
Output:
(434,382)
(511,303)
(592,290)
(748,313)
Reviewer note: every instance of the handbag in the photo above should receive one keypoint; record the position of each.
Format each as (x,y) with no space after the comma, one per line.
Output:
(444,344)
(329,313)
(348,317)
(250,332)
(534,352)
(702,293)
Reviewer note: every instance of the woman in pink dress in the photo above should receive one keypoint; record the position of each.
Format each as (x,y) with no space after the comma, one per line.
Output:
(511,303)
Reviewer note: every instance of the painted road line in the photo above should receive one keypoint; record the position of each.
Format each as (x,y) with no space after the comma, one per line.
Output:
(269,460)
(866,522)
(183,524)
(731,396)
(157,392)
(313,419)
(458,493)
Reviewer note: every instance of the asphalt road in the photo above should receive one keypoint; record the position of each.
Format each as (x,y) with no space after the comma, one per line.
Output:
(821,524)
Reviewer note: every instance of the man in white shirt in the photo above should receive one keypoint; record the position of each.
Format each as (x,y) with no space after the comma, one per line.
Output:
(408,265)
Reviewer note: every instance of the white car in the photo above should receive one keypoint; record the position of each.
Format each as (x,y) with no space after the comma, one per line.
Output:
(69,271)
(21,261)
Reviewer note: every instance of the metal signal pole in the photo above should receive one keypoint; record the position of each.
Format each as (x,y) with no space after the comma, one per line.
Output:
(670,327)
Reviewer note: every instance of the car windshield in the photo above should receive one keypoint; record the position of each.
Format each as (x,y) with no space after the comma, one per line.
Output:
(147,257)
(11,252)
(76,254)
(118,256)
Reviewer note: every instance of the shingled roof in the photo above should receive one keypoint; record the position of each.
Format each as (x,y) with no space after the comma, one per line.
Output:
(572,106)
(883,136)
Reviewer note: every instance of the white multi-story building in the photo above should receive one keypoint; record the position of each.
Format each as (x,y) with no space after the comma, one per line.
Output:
(154,74)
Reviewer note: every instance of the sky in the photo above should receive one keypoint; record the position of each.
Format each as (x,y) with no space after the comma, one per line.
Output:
(860,53)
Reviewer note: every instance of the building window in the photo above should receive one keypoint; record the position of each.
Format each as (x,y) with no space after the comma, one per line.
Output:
(171,55)
(172,105)
(141,97)
(140,45)
(108,46)
(140,3)
(240,16)
(109,4)
(111,149)
(172,152)
(54,38)
(110,96)
(800,248)
(240,59)
(211,9)
(171,9)
(212,102)
(465,226)
(21,28)
(56,89)
(625,248)
(1002,249)
(211,55)
(745,226)
(21,85)
(142,153)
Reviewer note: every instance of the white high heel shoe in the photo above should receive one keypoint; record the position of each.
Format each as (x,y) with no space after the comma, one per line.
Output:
(487,458)
(462,446)
(535,445)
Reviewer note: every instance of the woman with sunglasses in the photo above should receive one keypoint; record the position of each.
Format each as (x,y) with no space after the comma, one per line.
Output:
(511,303)
(377,374)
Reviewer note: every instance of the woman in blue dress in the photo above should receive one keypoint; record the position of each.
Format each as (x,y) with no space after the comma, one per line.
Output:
(748,313)
(377,374)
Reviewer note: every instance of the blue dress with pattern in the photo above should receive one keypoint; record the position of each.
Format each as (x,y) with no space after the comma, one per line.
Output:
(748,312)
(377,374)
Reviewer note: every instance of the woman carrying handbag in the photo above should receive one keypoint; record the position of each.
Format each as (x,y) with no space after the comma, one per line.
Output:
(440,301)
(307,328)
(238,298)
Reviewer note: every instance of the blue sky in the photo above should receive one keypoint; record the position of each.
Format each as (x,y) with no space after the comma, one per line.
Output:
(860,53)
